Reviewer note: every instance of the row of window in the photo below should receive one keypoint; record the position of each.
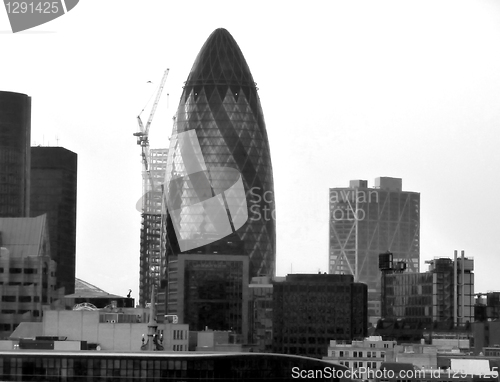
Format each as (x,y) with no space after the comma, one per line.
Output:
(303,340)
(359,354)
(36,313)
(8,327)
(28,271)
(7,298)
(357,364)
(301,350)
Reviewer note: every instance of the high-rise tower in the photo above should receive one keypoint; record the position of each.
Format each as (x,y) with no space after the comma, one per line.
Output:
(219,183)
(151,261)
(365,222)
(15,131)
(53,192)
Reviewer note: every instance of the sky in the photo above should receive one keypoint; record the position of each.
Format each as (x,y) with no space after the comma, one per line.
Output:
(349,90)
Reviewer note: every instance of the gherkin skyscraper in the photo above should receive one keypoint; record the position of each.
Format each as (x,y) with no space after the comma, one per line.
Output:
(219,183)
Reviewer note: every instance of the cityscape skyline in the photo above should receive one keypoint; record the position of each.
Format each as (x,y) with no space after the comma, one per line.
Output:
(388,89)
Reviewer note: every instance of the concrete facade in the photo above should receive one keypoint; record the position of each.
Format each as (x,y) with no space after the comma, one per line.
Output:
(113,336)
(27,272)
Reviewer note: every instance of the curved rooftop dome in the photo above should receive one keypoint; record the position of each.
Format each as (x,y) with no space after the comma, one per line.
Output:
(220,61)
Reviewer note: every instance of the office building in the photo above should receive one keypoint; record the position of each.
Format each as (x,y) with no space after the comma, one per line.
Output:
(152,264)
(15,131)
(53,192)
(260,296)
(364,355)
(213,292)
(27,272)
(487,306)
(309,310)
(219,182)
(365,222)
(443,297)
(486,335)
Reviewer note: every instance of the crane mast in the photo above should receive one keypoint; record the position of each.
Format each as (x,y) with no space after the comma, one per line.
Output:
(150,253)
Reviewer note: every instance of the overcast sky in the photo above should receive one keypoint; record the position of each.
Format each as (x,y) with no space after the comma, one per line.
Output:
(349,90)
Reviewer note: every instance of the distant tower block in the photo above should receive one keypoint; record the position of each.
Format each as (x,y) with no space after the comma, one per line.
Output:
(53,191)
(366,222)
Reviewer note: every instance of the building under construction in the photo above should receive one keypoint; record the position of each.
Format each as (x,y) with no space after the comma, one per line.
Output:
(151,263)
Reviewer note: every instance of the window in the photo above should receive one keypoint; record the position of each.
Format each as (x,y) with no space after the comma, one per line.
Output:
(9,298)
(372,345)
(24,298)
(386,346)
(16,270)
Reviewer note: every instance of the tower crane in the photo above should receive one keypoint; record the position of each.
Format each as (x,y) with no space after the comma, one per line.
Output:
(150,234)
(143,133)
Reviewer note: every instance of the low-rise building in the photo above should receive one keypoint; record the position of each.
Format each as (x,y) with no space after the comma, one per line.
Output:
(420,355)
(367,354)
(27,272)
(441,298)
(124,329)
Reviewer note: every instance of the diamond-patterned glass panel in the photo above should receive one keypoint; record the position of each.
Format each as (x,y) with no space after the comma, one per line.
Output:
(221,112)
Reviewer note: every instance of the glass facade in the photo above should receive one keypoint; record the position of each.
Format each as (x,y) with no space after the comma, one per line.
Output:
(15,131)
(437,296)
(408,296)
(213,294)
(309,310)
(53,191)
(365,222)
(219,185)
(155,367)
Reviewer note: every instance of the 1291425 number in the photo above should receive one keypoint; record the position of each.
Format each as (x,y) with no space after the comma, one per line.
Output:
(32,7)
